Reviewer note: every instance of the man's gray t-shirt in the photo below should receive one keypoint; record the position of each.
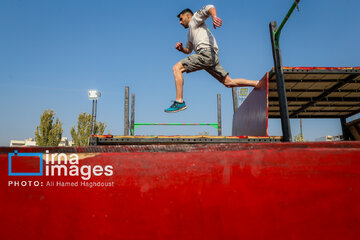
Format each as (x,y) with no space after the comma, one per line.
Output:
(199,36)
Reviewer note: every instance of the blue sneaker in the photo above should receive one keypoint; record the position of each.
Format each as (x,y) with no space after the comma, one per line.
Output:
(176,107)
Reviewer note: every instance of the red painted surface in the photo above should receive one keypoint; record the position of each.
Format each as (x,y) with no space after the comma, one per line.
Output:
(251,118)
(249,191)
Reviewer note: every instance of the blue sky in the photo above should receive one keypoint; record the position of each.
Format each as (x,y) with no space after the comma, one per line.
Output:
(52,52)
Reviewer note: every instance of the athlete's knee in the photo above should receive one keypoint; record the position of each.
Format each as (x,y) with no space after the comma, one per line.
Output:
(177,67)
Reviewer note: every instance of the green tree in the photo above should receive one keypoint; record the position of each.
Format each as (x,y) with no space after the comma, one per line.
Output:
(81,135)
(299,138)
(48,133)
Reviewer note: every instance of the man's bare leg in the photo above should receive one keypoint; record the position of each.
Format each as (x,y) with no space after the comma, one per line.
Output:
(178,70)
(240,82)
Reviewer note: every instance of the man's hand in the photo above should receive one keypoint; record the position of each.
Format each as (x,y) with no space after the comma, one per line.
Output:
(217,22)
(179,46)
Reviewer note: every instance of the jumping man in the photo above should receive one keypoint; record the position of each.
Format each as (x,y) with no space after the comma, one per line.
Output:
(203,42)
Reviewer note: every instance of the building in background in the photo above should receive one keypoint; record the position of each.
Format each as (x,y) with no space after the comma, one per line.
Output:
(30,142)
(329,138)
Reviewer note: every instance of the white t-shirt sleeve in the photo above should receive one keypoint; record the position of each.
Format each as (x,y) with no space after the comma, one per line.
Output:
(201,15)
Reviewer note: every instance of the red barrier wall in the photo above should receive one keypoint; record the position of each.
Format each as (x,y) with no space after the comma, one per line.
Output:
(229,191)
(251,118)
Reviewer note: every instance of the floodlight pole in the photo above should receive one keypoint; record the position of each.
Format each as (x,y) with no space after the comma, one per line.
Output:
(93,95)
(275,36)
(93,115)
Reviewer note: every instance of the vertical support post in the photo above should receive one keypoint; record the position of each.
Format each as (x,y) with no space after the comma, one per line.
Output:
(219,114)
(345,131)
(235,99)
(95,113)
(126,112)
(132,129)
(92,117)
(284,114)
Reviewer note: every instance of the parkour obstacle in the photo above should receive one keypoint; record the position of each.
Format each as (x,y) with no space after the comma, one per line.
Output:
(197,187)
(187,191)
(130,126)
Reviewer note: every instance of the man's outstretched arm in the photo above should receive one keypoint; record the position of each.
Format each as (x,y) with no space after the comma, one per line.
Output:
(179,46)
(217,22)
(209,10)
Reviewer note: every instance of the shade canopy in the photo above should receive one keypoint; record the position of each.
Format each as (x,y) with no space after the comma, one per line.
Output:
(315,92)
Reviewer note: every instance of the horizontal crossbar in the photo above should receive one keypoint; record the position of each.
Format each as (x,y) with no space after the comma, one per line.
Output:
(215,125)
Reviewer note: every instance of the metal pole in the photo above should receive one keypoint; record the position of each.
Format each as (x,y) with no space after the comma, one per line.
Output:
(219,114)
(284,114)
(132,130)
(95,113)
(92,116)
(235,99)
(278,31)
(344,129)
(126,112)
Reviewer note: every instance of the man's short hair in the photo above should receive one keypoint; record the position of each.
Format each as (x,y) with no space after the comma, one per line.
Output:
(187,10)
